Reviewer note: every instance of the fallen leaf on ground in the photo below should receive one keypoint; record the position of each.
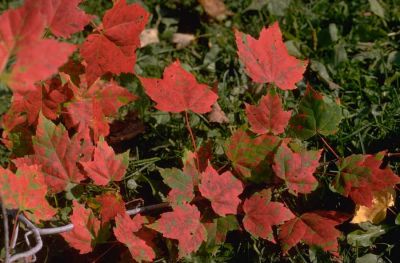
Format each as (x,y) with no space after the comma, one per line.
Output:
(182,40)
(149,36)
(217,114)
(376,213)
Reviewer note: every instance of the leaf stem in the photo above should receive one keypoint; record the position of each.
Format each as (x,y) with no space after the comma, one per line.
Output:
(329,147)
(192,138)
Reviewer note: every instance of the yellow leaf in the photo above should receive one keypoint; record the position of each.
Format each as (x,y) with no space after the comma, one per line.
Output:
(377,212)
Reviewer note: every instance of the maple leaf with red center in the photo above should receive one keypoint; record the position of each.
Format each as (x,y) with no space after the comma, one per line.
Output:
(183,224)
(113,48)
(58,155)
(18,27)
(251,156)
(63,17)
(181,185)
(32,65)
(266,59)
(20,35)
(126,232)
(47,97)
(297,169)
(26,190)
(179,91)
(111,204)
(262,214)
(91,106)
(314,228)
(86,229)
(106,166)
(268,116)
(222,190)
(360,176)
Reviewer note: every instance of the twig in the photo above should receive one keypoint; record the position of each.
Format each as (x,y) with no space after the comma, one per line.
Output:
(6,234)
(14,239)
(329,147)
(15,225)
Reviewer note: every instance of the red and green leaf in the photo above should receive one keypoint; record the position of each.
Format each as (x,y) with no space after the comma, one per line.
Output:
(182,224)
(222,190)
(181,185)
(62,17)
(85,231)
(112,49)
(126,232)
(58,155)
(297,169)
(361,175)
(268,116)
(91,106)
(262,214)
(111,204)
(106,166)
(317,114)
(219,228)
(251,156)
(26,190)
(314,228)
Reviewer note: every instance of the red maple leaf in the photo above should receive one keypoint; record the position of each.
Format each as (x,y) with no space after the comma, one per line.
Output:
(91,106)
(251,155)
(106,166)
(58,155)
(126,232)
(360,176)
(111,204)
(262,214)
(268,116)
(63,17)
(19,27)
(266,59)
(179,91)
(32,65)
(113,48)
(26,190)
(222,190)
(183,224)
(297,168)
(315,228)
(86,229)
